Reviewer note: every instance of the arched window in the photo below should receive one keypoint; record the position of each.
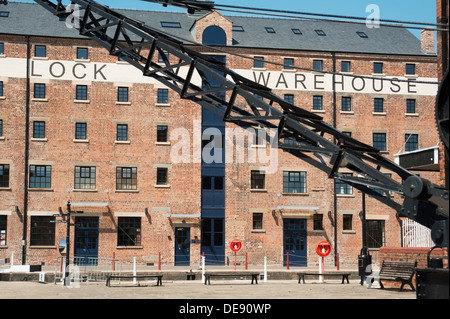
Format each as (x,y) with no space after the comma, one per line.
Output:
(214,35)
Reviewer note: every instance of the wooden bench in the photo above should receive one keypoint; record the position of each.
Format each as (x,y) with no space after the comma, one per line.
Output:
(402,271)
(109,277)
(301,275)
(231,274)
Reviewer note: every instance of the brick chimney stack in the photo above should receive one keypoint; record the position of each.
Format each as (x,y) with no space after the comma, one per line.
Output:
(427,41)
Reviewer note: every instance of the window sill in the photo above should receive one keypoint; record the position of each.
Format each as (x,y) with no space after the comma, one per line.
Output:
(412,114)
(2,138)
(123,103)
(35,139)
(129,247)
(162,186)
(317,111)
(260,231)
(379,113)
(254,190)
(352,232)
(83,60)
(345,195)
(295,194)
(36,99)
(162,104)
(126,191)
(162,143)
(259,69)
(85,190)
(82,101)
(42,58)
(122,142)
(5,189)
(80,141)
(43,247)
(347,112)
(2,97)
(40,189)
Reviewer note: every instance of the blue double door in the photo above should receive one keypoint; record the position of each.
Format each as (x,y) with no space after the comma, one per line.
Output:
(294,242)
(86,240)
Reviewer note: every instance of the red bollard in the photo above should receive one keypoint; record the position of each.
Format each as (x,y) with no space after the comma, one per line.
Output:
(287,260)
(246,264)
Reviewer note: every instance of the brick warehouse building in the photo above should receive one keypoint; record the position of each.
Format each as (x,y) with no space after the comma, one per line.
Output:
(102,136)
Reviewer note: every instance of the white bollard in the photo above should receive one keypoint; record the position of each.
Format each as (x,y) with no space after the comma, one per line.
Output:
(265,268)
(203,269)
(321,269)
(134,270)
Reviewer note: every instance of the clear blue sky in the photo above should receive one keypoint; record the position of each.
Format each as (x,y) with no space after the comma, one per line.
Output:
(406,10)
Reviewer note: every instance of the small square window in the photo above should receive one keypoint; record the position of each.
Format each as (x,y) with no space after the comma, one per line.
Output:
(378,105)
(296,31)
(288,63)
(378,67)
(161,133)
(82,53)
(258,221)
(4,175)
(379,141)
(238,28)
(122,94)
(258,179)
(317,102)
(317,65)
(410,106)
(321,33)
(258,62)
(270,30)
(39,91)
(347,222)
(161,176)
(38,129)
(318,222)
(81,92)
(122,132)
(345,66)
(410,69)
(163,96)
(411,142)
(80,131)
(4,14)
(40,51)
(346,103)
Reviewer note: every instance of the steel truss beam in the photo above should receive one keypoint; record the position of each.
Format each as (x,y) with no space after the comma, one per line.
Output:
(212,85)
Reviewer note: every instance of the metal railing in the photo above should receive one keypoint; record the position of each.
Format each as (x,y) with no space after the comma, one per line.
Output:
(87,268)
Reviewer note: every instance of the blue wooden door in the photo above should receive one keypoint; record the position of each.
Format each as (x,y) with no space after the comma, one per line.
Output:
(182,246)
(86,240)
(294,242)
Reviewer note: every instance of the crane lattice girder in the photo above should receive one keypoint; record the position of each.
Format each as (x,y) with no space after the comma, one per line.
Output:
(223,92)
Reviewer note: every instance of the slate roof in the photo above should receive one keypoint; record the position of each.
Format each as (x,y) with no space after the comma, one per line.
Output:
(32,19)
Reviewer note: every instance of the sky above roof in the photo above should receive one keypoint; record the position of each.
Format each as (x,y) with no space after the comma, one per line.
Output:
(402,10)
(409,10)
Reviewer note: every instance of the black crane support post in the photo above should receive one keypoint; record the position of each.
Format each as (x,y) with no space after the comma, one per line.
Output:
(424,201)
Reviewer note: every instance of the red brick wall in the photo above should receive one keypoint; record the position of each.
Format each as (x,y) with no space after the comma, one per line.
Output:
(410,255)
(184,191)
